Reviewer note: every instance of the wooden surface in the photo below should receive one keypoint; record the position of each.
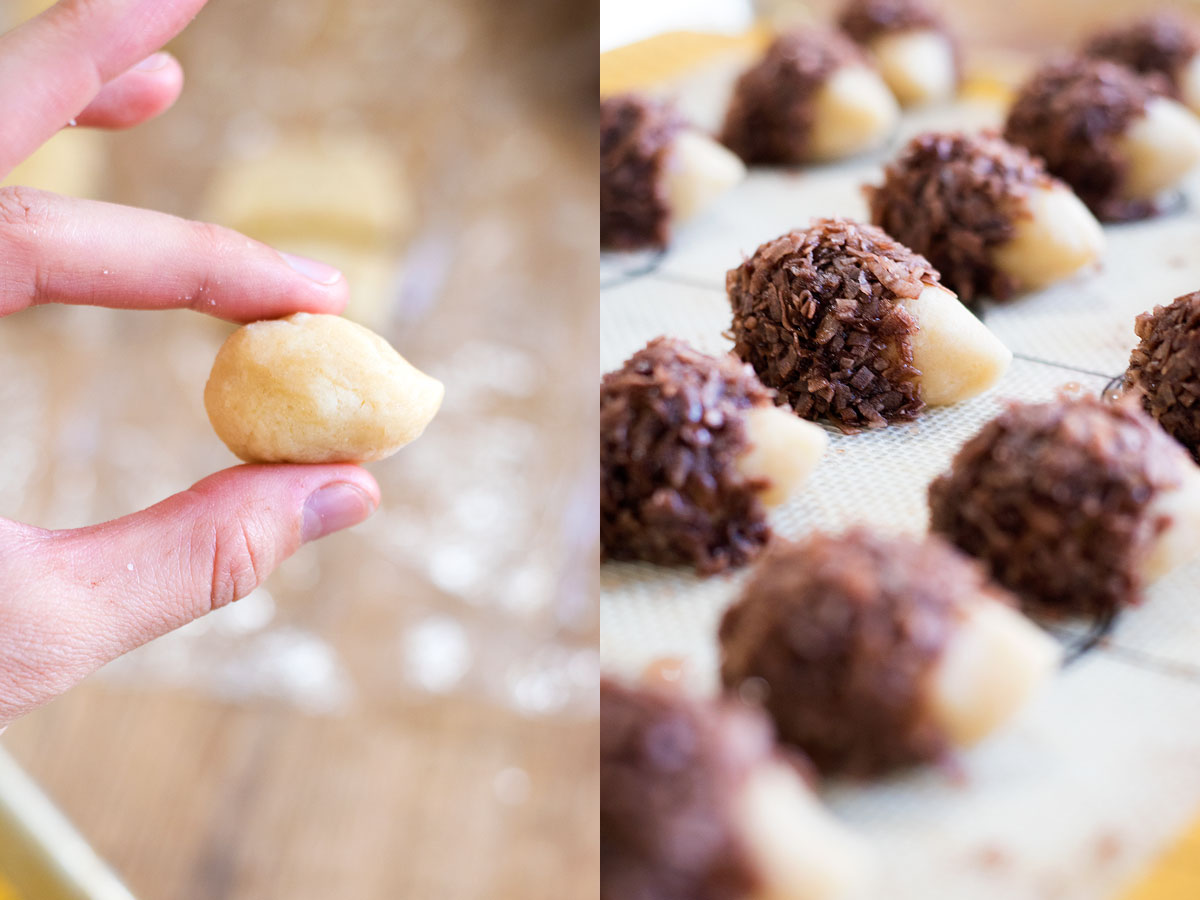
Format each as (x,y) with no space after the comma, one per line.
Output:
(192,800)
(1175,875)
(401,795)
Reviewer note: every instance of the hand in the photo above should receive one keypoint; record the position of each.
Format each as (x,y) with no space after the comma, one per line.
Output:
(70,601)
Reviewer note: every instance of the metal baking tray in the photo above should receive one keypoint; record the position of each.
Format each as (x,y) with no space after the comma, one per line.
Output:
(42,856)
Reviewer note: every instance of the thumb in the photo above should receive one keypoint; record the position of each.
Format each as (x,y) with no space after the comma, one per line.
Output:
(133,579)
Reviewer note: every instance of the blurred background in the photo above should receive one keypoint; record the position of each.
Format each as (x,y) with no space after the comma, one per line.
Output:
(1022,25)
(407,709)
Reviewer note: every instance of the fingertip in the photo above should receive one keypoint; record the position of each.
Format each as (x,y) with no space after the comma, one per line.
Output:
(313,269)
(351,473)
(155,62)
(334,507)
(326,498)
(323,287)
(138,95)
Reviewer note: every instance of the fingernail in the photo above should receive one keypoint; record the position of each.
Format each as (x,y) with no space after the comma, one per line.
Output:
(153,62)
(319,272)
(332,508)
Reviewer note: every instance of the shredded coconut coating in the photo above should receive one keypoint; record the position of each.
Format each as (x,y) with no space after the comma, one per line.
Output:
(770,116)
(818,314)
(865,20)
(844,633)
(1157,45)
(636,136)
(671,430)
(1055,499)
(1072,113)
(670,771)
(954,198)
(1164,368)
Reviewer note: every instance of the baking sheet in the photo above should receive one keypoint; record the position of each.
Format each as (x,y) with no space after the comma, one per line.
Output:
(1100,775)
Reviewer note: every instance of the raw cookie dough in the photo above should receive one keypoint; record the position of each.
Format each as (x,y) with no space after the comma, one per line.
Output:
(874,653)
(812,97)
(71,163)
(656,171)
(849,325)
(27,9)
(985,213)
(340,200)
(1163,44)
(1073,505)
(316,389)
(692,452)
(697,803)
(909,43)
(1108,133)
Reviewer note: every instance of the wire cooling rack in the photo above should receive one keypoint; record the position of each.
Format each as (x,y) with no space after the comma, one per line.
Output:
(1103,771)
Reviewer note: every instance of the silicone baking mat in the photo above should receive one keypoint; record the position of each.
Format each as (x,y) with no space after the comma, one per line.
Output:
(1084,794)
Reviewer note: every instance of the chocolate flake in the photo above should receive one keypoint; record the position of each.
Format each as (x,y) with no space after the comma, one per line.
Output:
(671,769)
(671,430)
(845,632)
(865,20)
(1158,45)
(1072,113)
(954,198)
(1165,368)
(1055,499)
(636,136)
(771,114)
(819,315)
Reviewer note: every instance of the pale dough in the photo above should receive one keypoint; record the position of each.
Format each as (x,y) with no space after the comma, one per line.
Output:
(70,163)
(347,189)
(340,199)
(316,389)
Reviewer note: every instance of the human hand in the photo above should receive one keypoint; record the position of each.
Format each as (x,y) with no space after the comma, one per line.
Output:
(70,601)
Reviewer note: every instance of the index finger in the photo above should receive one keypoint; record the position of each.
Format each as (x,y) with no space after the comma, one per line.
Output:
(54,65)
(63,250)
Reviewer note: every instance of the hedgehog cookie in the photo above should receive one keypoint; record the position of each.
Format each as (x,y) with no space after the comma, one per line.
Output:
(851,326)
(1105,131)
(915,53)
(876,653)
(1164,368)
(1163,44)
(985,214)
(813,97)
(697,804)
(1073,505)
(692,452)
(656,171)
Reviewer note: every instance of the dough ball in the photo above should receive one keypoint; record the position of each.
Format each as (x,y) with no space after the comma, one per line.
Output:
(71,163)
(342,199)
(316,389)
(348,189)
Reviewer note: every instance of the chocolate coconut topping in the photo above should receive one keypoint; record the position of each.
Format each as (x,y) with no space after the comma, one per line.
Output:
(1072,113)
(842,634)
(1161,44)
(818,314)
(670,772)
(1055,499)
(954,198)
(770,116)
(865,20)
(1165,368)
(636,134)
(671,430)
